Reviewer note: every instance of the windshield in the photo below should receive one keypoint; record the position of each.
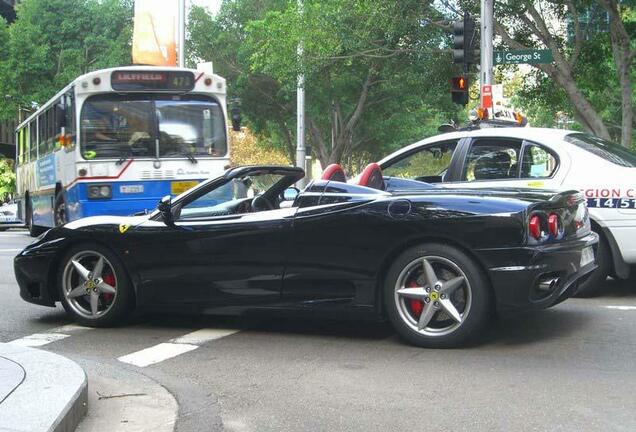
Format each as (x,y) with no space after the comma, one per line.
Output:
(113,126)
(224,198)
(605,149)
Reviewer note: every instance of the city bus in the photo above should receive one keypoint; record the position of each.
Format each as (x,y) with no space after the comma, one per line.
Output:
(114,141)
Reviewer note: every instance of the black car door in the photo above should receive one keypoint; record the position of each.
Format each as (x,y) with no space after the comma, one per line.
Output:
(225,261)
(223,245)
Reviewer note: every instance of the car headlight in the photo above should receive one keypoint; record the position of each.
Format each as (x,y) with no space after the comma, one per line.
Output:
(100,191)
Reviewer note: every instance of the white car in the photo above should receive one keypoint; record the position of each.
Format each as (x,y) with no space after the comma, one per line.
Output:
(9,216)
(552,159)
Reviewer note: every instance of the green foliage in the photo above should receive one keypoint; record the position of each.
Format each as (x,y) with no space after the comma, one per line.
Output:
(7,179)
(254,45)
(53,41)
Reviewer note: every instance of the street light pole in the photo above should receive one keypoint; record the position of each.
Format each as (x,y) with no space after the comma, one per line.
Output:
(181,18)
(486,48)
(300,103)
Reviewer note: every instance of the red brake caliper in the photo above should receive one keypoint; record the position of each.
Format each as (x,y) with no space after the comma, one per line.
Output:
(110,280)
(416,305)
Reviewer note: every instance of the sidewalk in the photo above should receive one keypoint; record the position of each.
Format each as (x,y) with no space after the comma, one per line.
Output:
(40,391)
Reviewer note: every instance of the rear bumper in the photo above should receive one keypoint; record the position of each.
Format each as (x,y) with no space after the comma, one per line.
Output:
(516,273)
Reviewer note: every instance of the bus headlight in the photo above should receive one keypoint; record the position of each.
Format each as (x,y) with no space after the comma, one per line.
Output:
(100,192)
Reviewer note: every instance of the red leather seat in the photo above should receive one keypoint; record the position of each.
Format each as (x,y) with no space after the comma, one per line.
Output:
(372,177)
(334,172)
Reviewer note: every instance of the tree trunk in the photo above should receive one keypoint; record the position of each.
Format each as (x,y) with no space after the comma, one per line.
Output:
(341,139)
(623,58)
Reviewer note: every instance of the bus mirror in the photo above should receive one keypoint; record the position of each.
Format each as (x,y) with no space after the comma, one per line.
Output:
(236,119)
(60,116)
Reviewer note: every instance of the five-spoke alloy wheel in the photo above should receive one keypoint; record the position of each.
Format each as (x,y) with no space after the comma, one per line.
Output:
(94,288)
(436,296)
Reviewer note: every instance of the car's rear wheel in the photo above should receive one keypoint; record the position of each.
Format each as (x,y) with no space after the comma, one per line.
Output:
(592,284)
(436,296)
(94,287)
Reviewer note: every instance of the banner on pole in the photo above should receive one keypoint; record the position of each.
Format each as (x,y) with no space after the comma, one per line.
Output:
(486,96)
(154,33)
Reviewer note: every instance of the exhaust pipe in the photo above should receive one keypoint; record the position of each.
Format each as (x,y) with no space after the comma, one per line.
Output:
(549,284)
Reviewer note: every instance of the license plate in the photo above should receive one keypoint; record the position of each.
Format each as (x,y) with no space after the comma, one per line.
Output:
(131,189)
(587,256)
(178,187)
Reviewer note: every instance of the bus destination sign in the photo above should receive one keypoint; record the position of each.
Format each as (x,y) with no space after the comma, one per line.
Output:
(150,80)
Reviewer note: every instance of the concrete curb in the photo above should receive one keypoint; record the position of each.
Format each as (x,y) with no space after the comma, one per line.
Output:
(52,396)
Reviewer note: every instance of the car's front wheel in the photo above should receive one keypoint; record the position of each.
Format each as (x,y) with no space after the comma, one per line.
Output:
(94,287)
(436,296)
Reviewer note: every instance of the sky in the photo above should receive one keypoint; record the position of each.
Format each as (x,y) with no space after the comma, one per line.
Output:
(212,5)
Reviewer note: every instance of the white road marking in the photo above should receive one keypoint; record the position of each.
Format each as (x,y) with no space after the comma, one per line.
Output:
(622,308)
(156,354)
(38,339)
(10,250)
(204,335)
(55,334)
(175,347)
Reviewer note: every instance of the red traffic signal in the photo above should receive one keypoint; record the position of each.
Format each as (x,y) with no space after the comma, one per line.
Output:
(459,83)
(459,90)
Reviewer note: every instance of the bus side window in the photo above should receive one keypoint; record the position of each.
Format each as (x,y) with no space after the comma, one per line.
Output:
(33,141)
(42,134)
(51,131)
(69,106)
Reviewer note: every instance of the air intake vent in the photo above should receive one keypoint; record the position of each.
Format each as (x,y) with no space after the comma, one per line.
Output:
(157,175)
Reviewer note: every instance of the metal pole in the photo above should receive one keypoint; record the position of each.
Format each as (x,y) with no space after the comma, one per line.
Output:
(182,26)
(486,48)
(300,105)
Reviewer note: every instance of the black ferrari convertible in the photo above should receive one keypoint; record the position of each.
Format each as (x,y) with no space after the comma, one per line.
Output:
(435,262)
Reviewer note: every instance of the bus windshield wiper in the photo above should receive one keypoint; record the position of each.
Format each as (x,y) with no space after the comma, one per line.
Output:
(190,156)
(128,153)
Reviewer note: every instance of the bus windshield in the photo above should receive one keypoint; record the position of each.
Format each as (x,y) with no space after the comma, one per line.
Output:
(114,126)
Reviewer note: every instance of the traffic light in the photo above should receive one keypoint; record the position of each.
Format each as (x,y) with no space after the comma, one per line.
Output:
(459,90)
(464,42)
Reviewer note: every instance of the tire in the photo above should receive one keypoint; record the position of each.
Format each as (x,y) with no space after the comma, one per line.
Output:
(442,331)
(34,230)
(59,215)
(113,306)
(593,284)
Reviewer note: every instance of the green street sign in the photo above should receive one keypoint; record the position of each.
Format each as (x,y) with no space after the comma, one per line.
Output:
(529,56)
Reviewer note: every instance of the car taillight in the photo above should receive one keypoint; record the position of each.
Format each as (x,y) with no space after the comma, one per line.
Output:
(534,226)
(553,224)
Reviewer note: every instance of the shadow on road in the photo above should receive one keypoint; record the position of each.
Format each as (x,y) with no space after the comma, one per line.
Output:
(537,326)
(613,288)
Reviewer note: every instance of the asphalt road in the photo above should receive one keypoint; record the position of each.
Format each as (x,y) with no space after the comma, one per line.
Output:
(570,368)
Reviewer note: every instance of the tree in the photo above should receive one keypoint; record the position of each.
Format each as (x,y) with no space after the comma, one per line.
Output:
(375,77)
(53,41)
(529,24)
(7,179)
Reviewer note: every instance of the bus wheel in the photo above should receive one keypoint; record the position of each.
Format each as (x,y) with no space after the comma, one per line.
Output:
(60,209)
(34,230)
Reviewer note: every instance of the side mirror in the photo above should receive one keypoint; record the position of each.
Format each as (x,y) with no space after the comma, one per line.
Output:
(290,194)
(165,209)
